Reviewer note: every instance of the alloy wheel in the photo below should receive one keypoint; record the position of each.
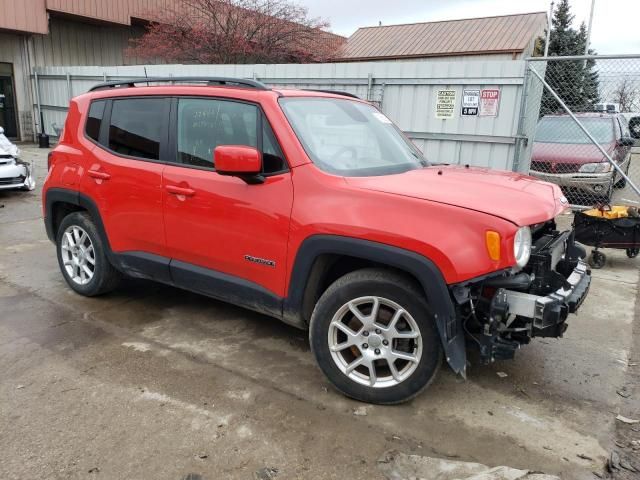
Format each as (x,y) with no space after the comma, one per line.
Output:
(375,342)
(78,255)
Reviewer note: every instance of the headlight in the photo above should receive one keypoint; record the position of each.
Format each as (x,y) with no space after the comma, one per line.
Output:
(522,246)
(600,167)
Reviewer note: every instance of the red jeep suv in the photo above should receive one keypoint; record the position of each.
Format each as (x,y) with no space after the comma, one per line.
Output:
(314,208)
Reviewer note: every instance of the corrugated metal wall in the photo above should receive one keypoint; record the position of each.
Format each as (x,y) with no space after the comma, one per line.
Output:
(77,43)
(30,16)
(23,15)
(405,91)
(118,11)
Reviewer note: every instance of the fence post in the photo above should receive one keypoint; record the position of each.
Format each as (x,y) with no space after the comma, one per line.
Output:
(521,140)
(369,87)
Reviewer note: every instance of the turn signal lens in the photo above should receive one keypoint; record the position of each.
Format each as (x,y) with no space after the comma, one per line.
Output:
(493,245)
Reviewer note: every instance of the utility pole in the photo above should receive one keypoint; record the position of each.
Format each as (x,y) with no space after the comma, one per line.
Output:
(548,39)
(588,43)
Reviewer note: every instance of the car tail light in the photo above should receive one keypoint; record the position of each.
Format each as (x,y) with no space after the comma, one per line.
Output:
(49,161)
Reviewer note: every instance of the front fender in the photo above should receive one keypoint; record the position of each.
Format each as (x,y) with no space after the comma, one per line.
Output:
(420,267)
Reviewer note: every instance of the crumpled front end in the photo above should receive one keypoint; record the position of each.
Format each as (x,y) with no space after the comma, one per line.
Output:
(504,311)
(15,174)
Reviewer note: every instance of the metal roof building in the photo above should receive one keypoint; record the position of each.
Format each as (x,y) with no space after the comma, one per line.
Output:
(499,37)
(61,32)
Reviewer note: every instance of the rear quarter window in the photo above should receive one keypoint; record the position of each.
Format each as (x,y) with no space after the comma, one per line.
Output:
(94,119)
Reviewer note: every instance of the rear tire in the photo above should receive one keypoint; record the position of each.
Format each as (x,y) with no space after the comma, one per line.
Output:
(385,329)
(82,256)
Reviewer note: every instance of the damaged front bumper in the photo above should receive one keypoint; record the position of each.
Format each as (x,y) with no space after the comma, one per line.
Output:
(597,183)
(16,174)
(549,313)
(505,311)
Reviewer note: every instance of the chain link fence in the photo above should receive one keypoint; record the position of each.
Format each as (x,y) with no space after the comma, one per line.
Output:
(587,132)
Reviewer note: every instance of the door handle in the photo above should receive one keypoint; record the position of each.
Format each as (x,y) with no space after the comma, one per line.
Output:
(184,191)
(98,174)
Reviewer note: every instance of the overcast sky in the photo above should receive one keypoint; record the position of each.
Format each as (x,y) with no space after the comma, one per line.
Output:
(616,23)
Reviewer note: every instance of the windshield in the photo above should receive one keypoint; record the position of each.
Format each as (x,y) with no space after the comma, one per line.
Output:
(565,130)
(350,138)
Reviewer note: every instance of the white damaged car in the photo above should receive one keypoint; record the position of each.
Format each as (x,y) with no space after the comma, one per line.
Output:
(14,173)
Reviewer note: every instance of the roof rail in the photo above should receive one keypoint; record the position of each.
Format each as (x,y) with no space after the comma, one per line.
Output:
(223,81)
(335,92)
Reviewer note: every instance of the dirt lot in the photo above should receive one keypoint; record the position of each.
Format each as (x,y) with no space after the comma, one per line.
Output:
(154,382)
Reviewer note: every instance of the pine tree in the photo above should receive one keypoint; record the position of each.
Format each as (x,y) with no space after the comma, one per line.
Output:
(575,81)
(590,80)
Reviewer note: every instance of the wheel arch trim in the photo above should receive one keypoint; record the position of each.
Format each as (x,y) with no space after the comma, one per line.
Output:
(62,195)
(420,267)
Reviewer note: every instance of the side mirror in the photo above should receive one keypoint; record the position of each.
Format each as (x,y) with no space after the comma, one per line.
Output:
(239,161)
(627,142)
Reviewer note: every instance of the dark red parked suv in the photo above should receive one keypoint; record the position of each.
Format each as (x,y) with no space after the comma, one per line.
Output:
(311,207)
(564,154)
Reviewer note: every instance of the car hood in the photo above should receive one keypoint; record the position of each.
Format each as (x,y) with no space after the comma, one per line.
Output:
(517,198)
(569,152)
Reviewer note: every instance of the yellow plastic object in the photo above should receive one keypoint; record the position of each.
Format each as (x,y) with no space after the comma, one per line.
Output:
(493,245)
(617,211)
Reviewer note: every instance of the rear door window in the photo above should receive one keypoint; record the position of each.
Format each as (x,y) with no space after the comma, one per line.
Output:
(138,127)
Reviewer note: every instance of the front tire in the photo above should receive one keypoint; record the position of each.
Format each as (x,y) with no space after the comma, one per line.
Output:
(374,337)
(607,198)
(82,256)
(622,183)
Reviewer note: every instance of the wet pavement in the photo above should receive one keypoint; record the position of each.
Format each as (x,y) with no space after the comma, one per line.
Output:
(154,382)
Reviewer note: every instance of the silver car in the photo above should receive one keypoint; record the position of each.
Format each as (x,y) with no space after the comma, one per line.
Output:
(14,173)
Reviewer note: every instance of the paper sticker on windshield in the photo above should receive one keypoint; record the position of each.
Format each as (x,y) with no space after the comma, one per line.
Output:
(381,117)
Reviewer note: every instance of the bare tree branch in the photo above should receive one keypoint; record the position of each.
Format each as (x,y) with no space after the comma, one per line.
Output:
(627,94)
(236,31)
